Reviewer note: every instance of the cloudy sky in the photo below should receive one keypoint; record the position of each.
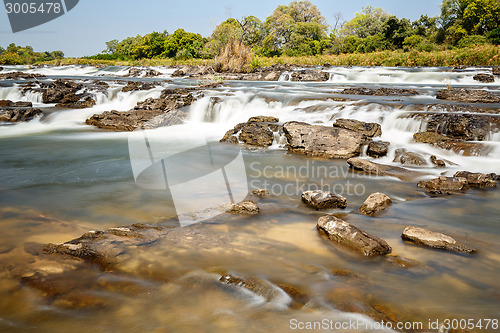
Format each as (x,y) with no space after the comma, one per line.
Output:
(85,29)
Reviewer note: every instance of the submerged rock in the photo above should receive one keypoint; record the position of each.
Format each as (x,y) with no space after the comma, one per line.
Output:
(484,78)
(381,169)
(341,232)
(437,162)
(468,96)
(368,129)
(258,131)
(378,149)
(478,179)
(323,141)
(244,207)
(380,92)
(444,183)
(17,115)
(261,193)
(323,200)
(375,203)
(407,157)
(434,240)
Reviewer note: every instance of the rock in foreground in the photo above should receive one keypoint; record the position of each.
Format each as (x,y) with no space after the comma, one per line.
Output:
(478,179)
(245,207)
(341,232)
(323,200)
(18,115)
(258,131)
(375,203)
(378,149)
(434,240)
(444,183)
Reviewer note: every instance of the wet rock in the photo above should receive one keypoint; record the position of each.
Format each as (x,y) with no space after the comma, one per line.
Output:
(142,72)
(495,70)
(460,67)
(309,76)
(258,131)
(484,78)
(459,147)
(378,149)
(402,262)
(323,200)
(409,158)
(57,90)
(18,115)
(429,137)
(260,192)
(19,75)
(144,113)
(136,86)
(469,127)
(437,162)
(196,70)
(381,169)
(245,207)
(341,232)
(468,96)
(478,179)
(379,92)
(76,101)
(11,104)
(1,68)
(444,183)
(434,240)
(323,141)
(375,203)
(368,129)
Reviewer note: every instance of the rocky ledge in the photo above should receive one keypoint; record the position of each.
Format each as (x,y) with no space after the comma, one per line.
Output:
(468,96)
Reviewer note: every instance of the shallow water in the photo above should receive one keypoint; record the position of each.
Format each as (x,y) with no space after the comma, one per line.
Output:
(60,178)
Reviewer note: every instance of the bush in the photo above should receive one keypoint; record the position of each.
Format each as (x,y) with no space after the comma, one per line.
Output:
(473,40)
(235,57)
(412,42)
(494,36)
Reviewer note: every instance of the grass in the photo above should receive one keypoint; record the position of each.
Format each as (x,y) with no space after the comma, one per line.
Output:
(486,55)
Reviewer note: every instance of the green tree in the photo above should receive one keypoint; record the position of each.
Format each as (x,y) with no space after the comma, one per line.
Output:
(367,23)
(397,30)
(183,44)
(150,46)
(111,46)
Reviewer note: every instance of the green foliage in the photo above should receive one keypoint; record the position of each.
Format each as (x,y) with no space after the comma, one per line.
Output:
(183,45)
(494,36)
(397,30)
(473,40)
(18,55)
(367,23)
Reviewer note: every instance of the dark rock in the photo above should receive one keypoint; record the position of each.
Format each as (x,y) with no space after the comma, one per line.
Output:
(379,92)
(410,158)
(19,75)
(478,179)
(323,141)
(1,68)
(468,96)
(469,127)
(444,183)
(57,90)
(144,72)
(484,78)
(245,207)
(459,147)
(378,149)
(341,232)
(434,240)
(375,203)
(437,162)
(495,70)
(17,115)
(258,131)
(196,70)
(309,76)
(323,200)
(368,129)
(381,169)
(10,104)
(76,101)
(460,67)
(136,86)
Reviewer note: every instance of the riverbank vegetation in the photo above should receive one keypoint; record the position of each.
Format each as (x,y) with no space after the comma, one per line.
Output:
(467,32)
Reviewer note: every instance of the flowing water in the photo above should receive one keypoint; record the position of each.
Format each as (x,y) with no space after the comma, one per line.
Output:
(60,178)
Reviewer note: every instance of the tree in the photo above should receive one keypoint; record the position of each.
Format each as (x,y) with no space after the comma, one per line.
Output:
(367,23)
(425,26)
(223,34)
(111,46)
(397,30)
(2,50)
(183,44)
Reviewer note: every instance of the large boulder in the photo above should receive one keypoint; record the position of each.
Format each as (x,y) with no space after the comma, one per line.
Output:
(323,141)
(17,115)
(468,96)
(478,179)
(484,78)
(309,76)
(377,149)
(368,129)
(375,203)
(444,183)
(434,240)
(323,200)
(257,131)
(343,233)
(469,127)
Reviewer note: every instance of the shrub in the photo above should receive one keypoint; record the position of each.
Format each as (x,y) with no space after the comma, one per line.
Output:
(473,40)
(235,57)
(494,36)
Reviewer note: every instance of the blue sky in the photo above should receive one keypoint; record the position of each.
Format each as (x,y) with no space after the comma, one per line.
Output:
(85,29)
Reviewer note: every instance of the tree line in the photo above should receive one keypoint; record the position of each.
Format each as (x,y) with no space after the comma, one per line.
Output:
(299,29)
(19,55)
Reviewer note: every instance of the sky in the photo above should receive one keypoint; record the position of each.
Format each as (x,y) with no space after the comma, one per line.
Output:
(85,29)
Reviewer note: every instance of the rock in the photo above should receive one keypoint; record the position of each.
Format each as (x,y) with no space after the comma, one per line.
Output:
(444,183)
(381,169)
(142,72)
(478,179)
(460,67)
(375,203)
(18,115)
(59,89)
(11,104)
(341,232)
(467,96)
(1,68)
(484,78)
(309,76)
(378,149)
(468,127)
(19,75)
(323,200)
(323,141)
(429,137)
(434,240)
(260,192)
(379,92)
(143,115)
(407,157)
(368,129)
(437,162)
(196,70)
(136,86)
(245,207)
(459,147)
(78,101)
(258,131)
(495,70)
